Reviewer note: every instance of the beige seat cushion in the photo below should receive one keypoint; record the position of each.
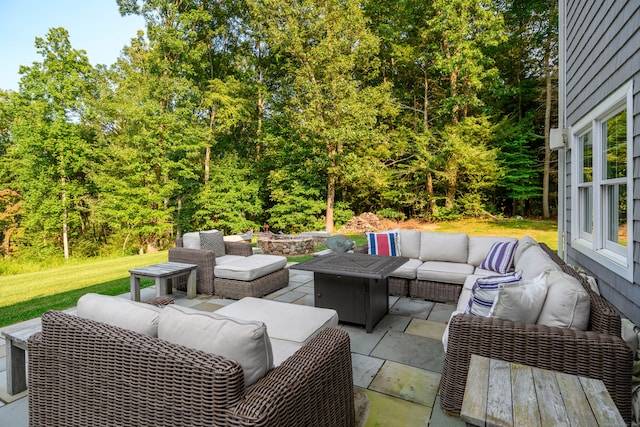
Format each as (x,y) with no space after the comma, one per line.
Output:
(134,316)
(448,272)
(243,341)
(408,270)
(283,349)
(567,304)
(291,322)
(437,246)
(250,268)
(227,259)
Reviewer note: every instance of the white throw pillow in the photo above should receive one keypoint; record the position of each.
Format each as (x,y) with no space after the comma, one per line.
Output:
(191,240)
(132,315)
(521,302)
(567,304)
(485,292)
(244,341)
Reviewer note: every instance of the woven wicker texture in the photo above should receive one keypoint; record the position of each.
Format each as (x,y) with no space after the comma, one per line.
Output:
(398,286)
(206,261)
(237,289)
(435,291)
(597,353)
(86,373)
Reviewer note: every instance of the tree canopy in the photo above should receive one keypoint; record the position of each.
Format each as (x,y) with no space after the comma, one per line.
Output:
(278,115)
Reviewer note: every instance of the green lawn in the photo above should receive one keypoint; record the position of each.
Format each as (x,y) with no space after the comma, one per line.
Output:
(28,295)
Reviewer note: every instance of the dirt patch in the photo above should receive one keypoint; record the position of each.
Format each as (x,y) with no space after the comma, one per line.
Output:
(371,222)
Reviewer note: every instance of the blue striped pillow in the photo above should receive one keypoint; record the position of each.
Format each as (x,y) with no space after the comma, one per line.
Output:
(499,257)
(485,292)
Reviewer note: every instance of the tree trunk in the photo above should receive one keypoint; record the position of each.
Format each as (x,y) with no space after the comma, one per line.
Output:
(331,196)
(207,152)
(425,111)
(65,223)
(432,200)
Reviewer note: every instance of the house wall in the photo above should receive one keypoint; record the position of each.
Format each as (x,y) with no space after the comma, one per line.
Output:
(603,53)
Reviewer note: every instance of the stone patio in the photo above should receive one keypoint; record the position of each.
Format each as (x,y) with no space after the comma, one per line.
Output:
(396,368)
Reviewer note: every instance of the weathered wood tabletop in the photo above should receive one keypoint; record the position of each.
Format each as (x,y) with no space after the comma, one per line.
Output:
(500,393)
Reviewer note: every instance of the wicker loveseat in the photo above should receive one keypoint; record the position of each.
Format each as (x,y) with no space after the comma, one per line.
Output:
(87,373)
(598,352)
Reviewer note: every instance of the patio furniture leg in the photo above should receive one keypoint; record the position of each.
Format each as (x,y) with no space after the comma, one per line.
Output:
(135,287)
(16,371)
(191,284)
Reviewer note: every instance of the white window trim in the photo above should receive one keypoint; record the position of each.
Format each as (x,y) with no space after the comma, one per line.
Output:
(621,265)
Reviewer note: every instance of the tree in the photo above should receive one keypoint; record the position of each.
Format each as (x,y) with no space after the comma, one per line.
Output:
(327,56)
(52,143)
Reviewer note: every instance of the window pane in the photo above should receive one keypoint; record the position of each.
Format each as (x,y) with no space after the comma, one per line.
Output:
(615,146)
(586,207)
(616,197)
(586,157)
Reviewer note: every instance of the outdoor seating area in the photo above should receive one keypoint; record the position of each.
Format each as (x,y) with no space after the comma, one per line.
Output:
(392,359)
(396,368)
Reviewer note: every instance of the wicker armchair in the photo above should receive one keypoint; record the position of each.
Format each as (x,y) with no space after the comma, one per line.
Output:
(599,352)
(87,373)
(206,261)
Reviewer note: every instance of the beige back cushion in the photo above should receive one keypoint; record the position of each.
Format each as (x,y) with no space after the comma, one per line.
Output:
(410,243)
(535,261)
(524,243)
(134,316)
(449,247)
(245,342)
(567,304)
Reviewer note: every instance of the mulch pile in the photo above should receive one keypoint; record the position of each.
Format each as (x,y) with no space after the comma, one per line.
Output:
(363,223)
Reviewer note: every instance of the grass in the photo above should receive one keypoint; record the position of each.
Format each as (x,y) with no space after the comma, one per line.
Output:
(29,295)
(542,231)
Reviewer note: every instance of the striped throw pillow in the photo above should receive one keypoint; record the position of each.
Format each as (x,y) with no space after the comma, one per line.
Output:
(500,257)
(485,292)
(383,243)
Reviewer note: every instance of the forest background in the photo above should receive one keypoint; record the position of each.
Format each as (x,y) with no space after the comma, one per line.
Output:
(279,115)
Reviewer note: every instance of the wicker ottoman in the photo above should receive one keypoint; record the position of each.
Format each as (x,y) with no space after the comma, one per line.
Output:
(253,276)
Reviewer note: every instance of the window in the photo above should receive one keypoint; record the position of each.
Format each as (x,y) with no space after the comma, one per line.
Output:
(600,196)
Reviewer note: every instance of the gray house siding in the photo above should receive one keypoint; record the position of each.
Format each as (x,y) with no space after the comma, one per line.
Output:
(602,54)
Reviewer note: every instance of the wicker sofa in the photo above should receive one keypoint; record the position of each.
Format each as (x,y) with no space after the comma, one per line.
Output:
(84,372)
(597,352)
(438,262)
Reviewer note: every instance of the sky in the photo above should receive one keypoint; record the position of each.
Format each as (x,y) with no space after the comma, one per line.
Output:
(94,26)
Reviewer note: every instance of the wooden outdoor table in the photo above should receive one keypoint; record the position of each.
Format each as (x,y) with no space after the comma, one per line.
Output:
(500,393)
(16,348)
(162,273)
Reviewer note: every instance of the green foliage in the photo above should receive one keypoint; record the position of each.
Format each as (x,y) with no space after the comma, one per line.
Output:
(229,201)
(391,214)
(291,115)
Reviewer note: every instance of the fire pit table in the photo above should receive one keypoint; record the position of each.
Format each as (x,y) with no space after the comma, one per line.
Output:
(355,285)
